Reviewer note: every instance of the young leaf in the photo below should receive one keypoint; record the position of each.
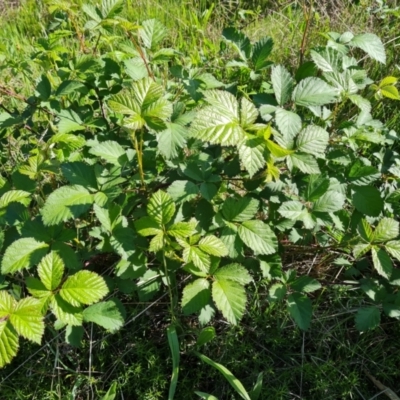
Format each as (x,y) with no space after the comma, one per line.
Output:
(195,296)
(200,259)
(213,246)
(66,202)
(313,92)
(258,236)
(365,230)
(382,262)
(299,307)
(234,272)
(282,83)
(206,335)
(367,318)
(367,200)
(161,208)
(230,299)
(23,253)
(84,287)
(12,196)
(51,270)
(108,314)
(27,319)
(239,209)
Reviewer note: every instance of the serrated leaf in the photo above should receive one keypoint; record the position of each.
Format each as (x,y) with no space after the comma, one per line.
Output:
(300,308)
(69,86)
(327,59)
(182,191)
(110,151)
(182,229)
(43,88)
(317,186)
(313,92)
(12,196)
(393,247)
(239,209)
(277,292)
(293,210)
(200,259)
(161,207)
(152,32)
(66,312)
(232,242)
(251,154)
(313,140)
(261,50)
(390,92)
(146,226)
(371,44)
(51,270)
(362,103)
(387,229)
(305,284)
(360,249)
(367,318)
(329,202)
(208,190)
(213,246)
(66,202)
(248,113)
(171,140)
(23,253)
(362,175)
(289,123)
(219,122)
(230,299)
(69,122)
(79,173)
(258,236)
(195,296)
(239,40)
(365,230)
(234,272)
(282,83)
(304,162)
(84,287)
(367,200)
(382,262)
(9,343)
(27,319)
(157,243)
(107,314)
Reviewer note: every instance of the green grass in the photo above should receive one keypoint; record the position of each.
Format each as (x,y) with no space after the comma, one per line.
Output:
(328,362)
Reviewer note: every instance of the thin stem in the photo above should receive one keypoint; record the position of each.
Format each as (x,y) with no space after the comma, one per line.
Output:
(139,153)
(308,17)
(171,295)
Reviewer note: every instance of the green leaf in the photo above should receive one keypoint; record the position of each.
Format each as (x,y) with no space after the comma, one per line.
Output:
(213,246)
(393,247)
(182,229)
(195,296)
(51,270)
(304,162)
(161,207)
(67,87)
(232,242)
(206,335)
(172,139)
(371,44)
(317,187)
(313,140)
(289,123)
(327,59)
(248,113)
(233,381)
(205,396)
(282,83)
(234,272)
(66,202)
(174,347)
(182,191)
(305,284)
(157,243)
(251,154)
(230,299)
(239,209)
(27,319)
(299,307)
(367,200)
(152,32)
(23,253)
(277,292)
(219,122)
(69,122)
(386,229)
(111,393)
(367,318)
(239,40)
(258,236)
(43,88)
(79,173)
(146,226)
(12,196)
(382,262)
(208,190)
(365,230)
(8,343)
(200,259)
(329,202)
(261,51)
(313,92)
(110,151)
(293,210)
(84,287)
(257,390)
(74,335)
(108,314)
(65,312)
(362,175)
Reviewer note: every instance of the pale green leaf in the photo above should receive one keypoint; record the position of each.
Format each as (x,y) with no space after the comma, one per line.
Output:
(327,59)
(282,83)
(146,226)
(387,229)
(182,191)
(313,140)
(65,312)
(200,259)
(51,270)
(233,272)
(251,154)
(195,296)
(182,229)
(213,246)
(239,209)
(161,207)
(157,243)
(172,139)
(293,210)
(393,247)
(107,314)
(12,196)
(110,151)
(152,32)
(304,162)
(365,230)
(382,262)
(289,123)
(66,202)
(230,299)
(9,343)
(22,253)
(371,44)
(84,287)
(248,113)
(27,319)
(258,236)
(313,92)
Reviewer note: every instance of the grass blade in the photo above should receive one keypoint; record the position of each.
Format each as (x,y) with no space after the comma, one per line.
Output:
(174,346)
